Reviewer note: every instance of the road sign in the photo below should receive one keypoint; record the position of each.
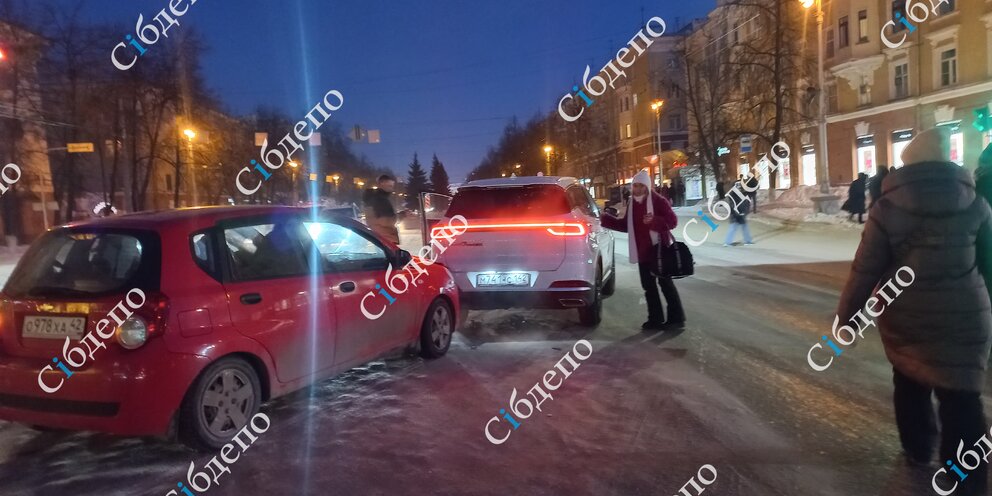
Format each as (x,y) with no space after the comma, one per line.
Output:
(746,143)
(80,147)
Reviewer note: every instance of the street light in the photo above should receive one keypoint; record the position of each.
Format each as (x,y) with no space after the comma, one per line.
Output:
(293,165)
(821,155)
(336,178)
(190,135)
(547,153)
(656,106)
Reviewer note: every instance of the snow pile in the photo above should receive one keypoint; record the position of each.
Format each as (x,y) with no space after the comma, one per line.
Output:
(797,215)
(802,196)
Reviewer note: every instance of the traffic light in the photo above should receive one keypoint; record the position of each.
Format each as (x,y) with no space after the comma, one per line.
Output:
(982,122)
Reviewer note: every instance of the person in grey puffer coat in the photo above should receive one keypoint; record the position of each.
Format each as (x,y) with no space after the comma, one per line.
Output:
(938,331)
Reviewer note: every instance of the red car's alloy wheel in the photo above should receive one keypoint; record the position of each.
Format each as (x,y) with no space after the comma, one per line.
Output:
(441,327)
(219,403)
(226,402)
(435,333)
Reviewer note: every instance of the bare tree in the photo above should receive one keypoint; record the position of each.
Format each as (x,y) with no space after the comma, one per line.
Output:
(767,63)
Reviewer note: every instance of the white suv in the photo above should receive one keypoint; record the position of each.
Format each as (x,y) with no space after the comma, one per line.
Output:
(532,242)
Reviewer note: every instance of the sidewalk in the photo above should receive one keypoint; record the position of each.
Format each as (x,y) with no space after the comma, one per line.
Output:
(792,208)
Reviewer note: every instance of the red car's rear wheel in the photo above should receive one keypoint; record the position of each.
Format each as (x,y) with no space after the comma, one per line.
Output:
(219,404)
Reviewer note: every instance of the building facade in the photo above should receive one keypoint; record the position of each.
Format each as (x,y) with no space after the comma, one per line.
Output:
(627,132)
(27,207)
(889,80)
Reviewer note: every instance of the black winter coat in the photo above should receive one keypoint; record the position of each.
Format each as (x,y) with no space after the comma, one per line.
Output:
(855,203)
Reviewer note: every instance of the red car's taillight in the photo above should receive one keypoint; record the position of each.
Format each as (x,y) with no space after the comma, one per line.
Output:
(156,308)
(155,313)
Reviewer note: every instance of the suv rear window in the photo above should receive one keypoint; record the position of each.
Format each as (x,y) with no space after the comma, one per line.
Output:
(511,201)
(72,263)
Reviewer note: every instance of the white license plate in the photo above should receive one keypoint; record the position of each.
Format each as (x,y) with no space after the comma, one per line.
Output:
(503,279)
(53,327)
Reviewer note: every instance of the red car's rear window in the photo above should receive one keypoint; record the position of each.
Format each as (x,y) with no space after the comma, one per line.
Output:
(516,201)
(87,263)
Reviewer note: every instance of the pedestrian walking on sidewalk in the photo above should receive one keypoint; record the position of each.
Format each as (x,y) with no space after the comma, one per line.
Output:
(855,203)
(752,190)
(648,221)
(738,218)
(875,185)
(937,331)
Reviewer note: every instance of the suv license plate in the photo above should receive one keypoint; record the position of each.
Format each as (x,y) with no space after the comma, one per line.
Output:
(503,279)
(53,327)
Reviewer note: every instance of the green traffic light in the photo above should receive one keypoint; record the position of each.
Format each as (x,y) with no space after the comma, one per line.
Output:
(982,122)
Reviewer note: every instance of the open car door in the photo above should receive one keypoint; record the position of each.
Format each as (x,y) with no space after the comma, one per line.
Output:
(434,207)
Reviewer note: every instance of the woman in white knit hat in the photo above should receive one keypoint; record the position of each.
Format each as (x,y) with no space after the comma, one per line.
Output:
(937,330)
(649,220)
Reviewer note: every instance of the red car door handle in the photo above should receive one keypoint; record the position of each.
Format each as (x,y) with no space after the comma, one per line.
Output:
(347,287)
(251,298)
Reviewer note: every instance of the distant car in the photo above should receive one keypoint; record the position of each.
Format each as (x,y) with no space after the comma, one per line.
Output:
(531,242)
(228,322)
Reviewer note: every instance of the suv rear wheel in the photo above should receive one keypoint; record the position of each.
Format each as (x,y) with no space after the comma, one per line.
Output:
(591,315)
(222,401)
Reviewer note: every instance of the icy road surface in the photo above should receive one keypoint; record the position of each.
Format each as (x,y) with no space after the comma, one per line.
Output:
(639,417)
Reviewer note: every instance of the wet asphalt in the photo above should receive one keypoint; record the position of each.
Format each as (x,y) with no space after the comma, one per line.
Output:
(640,416)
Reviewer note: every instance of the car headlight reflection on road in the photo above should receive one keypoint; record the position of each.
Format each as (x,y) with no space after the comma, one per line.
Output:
(132,333)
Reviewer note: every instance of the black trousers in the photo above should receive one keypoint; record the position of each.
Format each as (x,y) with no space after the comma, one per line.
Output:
(650,283)
(961,419)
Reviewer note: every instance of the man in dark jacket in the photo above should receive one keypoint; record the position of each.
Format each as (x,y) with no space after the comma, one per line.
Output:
(855,203)
(379,213)
(875,185)
(752,190)
(648,220)
(937,331)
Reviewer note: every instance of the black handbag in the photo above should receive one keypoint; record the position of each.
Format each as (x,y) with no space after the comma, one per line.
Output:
(673,261)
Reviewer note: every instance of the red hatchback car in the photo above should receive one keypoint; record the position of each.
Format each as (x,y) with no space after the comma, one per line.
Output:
(243,304)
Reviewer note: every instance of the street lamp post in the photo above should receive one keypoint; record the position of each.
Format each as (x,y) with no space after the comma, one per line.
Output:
(336,178)
(293,165)
(190,134)
(821,156)
(547,153)
(656,106)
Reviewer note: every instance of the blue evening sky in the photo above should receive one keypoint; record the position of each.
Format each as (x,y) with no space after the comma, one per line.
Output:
(435,76)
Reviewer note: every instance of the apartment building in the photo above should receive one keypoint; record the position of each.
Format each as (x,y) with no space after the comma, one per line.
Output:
(879,97)
(628,133)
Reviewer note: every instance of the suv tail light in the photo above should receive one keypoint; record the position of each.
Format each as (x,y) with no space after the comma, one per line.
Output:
(554,228)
